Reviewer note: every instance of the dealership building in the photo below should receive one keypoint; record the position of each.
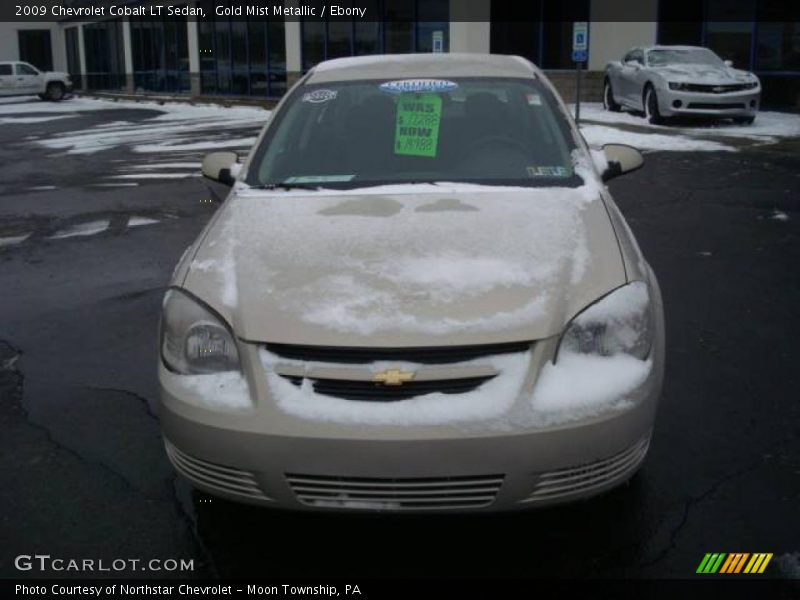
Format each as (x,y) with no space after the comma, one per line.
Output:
(260,57)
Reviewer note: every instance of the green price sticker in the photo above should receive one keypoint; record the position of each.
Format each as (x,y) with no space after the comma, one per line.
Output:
(417,126)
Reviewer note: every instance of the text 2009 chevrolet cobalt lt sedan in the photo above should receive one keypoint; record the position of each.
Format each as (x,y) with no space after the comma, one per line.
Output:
(418,296)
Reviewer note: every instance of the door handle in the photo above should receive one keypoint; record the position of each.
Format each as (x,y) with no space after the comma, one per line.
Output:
(20,79)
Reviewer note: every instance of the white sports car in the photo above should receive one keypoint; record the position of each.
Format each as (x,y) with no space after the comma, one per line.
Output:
(667,81)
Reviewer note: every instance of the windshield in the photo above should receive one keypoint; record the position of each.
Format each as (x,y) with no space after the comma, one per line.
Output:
(364,133)
(690,56)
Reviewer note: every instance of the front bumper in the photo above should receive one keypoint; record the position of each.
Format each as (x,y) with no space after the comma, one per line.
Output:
(270,458)
(732,104)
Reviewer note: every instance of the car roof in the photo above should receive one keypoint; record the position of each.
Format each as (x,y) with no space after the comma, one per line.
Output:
(403,66)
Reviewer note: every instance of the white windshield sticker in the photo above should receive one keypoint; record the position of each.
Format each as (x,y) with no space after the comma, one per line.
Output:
(548,172)
(534,99)
(319,96)
(418,85)
(318,178)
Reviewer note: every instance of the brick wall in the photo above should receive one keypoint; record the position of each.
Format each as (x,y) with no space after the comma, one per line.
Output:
(591,85)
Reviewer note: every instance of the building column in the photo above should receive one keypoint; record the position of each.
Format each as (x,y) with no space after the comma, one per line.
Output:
(473,35)
(609,40)
(294,48)
(127,55)
(82,57)
(59,48)
(193,48)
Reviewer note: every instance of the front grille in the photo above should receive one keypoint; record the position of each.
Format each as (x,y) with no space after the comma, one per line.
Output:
(716,106)
(584,478)
(423,355)
(434,493)
(350,389)
(216,477)
(718,89)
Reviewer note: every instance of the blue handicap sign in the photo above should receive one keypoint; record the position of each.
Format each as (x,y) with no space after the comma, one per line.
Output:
(579,56)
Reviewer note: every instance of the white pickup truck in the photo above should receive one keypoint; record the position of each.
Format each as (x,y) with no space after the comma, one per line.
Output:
(22,79)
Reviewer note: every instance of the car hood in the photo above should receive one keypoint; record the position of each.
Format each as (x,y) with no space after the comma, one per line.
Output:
(406,266)
(703,74)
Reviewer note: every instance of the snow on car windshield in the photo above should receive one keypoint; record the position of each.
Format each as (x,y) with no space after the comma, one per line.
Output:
(688,56)
(361,133)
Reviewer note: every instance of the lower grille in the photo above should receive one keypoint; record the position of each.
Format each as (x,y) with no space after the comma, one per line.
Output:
(422,355)
(440,493)
(716,106)
(370,391)
(213,476)
(718,89)
(584,478)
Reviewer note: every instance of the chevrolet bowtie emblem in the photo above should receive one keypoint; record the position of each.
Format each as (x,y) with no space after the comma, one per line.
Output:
(393,377)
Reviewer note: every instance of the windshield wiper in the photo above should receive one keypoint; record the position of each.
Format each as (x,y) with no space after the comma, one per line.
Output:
(286,186)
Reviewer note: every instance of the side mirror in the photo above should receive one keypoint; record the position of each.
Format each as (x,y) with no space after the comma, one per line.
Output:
(621,159)
(728,63)
(218,166)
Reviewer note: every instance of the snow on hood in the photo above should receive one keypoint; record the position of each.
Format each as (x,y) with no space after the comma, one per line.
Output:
(464,263)
(703,74)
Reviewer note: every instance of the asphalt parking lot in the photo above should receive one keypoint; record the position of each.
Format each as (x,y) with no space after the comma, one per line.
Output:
(88,241)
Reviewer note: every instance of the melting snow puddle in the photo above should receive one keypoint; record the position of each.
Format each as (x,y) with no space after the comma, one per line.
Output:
(8,241)
(138,221)
(90,228)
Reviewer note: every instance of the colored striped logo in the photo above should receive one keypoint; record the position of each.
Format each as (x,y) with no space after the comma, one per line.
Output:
(735,562)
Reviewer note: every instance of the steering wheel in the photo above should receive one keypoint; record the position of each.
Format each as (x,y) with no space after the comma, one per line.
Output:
(485,143)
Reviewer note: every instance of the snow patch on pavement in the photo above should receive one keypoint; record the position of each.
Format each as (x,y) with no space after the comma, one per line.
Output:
(597,135)
(767,126)
(139,221)
(81,229)
(16,239)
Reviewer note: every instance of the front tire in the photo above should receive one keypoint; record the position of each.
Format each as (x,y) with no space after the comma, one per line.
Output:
(651,112)
(609,103)
(55,91)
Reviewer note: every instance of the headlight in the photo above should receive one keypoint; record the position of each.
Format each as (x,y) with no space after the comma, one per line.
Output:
(621,322)
(194,339)
(673,85)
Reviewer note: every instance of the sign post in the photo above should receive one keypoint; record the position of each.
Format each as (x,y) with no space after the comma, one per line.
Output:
(580,52)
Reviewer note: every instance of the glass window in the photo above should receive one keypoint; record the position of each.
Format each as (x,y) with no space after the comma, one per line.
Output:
(487,130)
(239,60)
(23,69)
(778,46)
(366,38)
(313,43)
(104,59)
(398,26)
(277,57)
(5,70)
(35,48)
(340,33)
(222,47)
(729,30)
(73,55)
(257,52)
